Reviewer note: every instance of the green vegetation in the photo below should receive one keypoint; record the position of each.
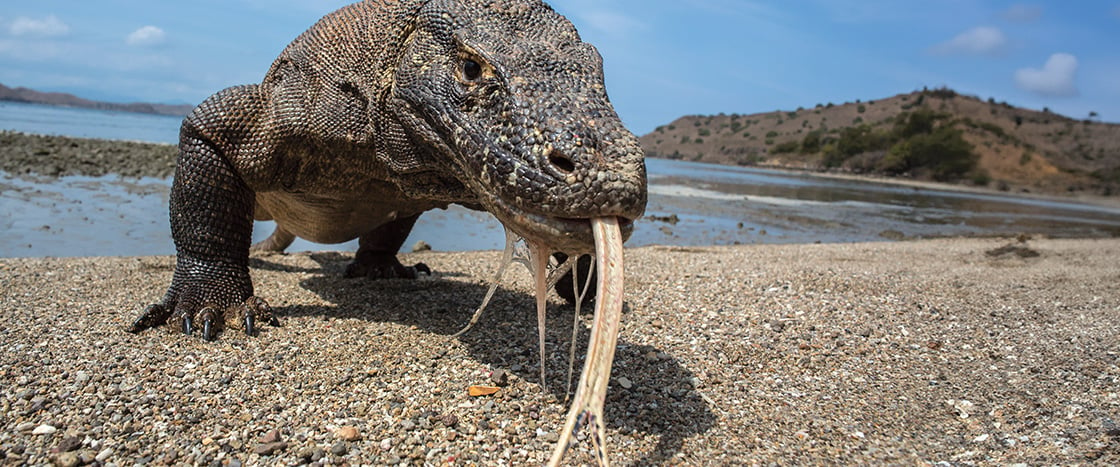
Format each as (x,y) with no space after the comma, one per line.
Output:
(920,142)
(787,147)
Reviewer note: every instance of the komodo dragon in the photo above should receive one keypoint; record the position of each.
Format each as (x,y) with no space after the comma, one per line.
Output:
(383,110)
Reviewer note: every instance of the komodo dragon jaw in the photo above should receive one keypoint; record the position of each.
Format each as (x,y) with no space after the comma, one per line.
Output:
(526,124)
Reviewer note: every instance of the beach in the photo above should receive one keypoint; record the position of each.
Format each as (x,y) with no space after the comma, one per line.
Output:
(947,352)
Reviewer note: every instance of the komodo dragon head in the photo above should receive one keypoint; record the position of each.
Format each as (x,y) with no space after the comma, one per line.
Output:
(513,97)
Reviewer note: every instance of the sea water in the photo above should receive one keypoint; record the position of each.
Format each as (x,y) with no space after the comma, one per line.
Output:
(689,204)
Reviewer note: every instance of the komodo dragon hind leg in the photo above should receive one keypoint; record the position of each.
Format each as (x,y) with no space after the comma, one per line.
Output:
(377,253)
(279,241)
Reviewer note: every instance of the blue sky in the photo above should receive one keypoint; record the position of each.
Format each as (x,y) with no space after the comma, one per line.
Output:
(664,59)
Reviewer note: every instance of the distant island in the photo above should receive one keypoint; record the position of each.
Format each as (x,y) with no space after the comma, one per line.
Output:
(931,134)
(31,96)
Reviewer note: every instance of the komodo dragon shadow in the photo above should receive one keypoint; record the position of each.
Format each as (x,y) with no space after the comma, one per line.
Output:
(668,407)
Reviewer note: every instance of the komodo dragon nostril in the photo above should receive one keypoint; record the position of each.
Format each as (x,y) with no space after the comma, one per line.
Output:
(561,162)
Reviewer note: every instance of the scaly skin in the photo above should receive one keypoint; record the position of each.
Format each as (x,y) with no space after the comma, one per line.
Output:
(383,110)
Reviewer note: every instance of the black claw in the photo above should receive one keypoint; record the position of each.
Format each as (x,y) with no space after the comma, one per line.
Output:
(153,315)
(206,336)
(187,325)
(422,268)
(274,322)
(250,324)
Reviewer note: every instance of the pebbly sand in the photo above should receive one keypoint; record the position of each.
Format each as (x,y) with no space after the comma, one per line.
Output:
(947,352)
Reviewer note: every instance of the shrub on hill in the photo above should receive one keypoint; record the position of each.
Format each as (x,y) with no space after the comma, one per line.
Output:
(922,142)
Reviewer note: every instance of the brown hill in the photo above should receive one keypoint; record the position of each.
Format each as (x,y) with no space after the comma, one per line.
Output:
(21,94)
(1012,148)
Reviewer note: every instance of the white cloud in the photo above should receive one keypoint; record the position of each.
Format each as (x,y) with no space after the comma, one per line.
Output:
(46,27)
(146,36)
(1022,13)
(981,40)
(1054,79)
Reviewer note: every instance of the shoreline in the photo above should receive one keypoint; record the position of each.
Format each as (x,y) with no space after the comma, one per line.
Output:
(960,350)
(24,153)
(1096,200)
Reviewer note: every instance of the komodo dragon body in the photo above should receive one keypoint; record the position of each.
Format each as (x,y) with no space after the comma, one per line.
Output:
(383,110)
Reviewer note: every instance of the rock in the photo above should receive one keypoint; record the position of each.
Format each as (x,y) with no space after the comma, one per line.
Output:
(270,448)
(386,444)
(450,420)
(625,382)
(499,377)
(104,454)
(408,425)
(777,325)
(421,246)
(339,448)
(271,437)
(44,429)
(67,459)
(305,454)
(69,444)
(348,433)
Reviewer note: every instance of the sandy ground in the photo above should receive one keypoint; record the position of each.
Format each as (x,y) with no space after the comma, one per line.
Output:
(948,352)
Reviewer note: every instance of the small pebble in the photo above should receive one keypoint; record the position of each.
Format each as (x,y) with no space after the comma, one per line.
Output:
(339,448)
(67,459)
(273,436)
(499,377)
(348,433)
(270,448)
(450,420)
(386,444)
(44,429)
(69,444)
(625,382)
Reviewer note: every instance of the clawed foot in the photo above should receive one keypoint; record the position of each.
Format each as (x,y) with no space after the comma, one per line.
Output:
(212,319)
(384,266)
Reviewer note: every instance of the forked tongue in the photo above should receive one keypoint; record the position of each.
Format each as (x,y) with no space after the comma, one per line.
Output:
(591,393)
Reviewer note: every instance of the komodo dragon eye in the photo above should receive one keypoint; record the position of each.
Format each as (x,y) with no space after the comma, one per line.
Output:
(472,71)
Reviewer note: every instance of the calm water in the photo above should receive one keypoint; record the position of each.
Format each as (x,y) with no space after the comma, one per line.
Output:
(713,205)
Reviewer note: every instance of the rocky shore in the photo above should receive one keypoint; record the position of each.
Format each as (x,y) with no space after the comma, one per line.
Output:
(947,352)
(55,156)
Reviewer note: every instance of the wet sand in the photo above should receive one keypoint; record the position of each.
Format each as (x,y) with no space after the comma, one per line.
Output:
(962,352)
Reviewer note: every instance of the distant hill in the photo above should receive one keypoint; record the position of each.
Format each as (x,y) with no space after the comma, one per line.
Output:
(32,96)
(929,134)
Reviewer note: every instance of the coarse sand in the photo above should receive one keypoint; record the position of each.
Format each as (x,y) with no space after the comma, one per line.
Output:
(950,352)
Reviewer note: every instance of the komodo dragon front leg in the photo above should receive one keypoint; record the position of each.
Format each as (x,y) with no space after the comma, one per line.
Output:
(211,222)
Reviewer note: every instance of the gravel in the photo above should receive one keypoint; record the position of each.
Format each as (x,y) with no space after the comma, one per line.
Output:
(54,156)
(901,353)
